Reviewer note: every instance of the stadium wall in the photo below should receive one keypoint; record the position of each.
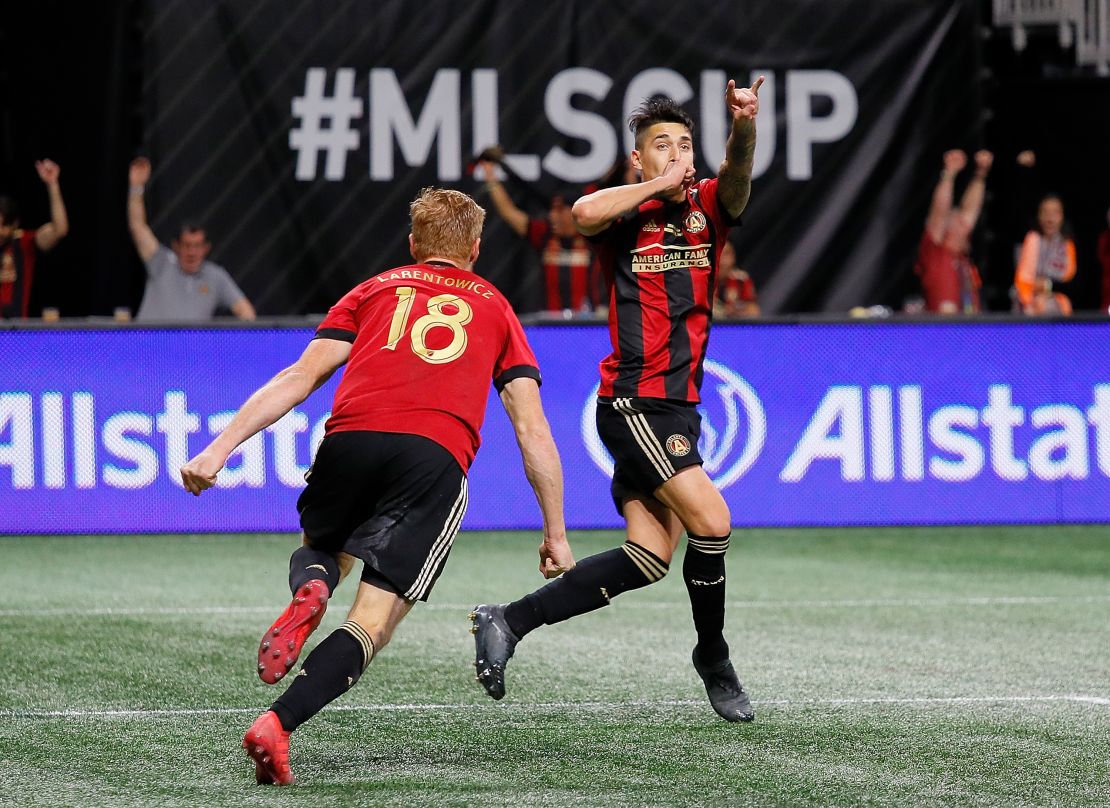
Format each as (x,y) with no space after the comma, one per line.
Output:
(813,423)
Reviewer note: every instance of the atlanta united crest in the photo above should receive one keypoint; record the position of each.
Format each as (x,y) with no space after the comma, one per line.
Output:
(695,222)
(678,445)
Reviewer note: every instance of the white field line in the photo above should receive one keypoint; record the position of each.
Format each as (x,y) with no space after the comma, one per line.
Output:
(861,603)
(563,705)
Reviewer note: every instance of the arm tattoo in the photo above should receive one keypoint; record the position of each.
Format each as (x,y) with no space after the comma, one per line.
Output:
(734,182)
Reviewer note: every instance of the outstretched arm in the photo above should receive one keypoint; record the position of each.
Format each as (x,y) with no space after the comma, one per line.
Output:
(954,162)
(266,406)
(502,202)
(145,242)
(734,179)
(47,236)
(972,203)
(521,398)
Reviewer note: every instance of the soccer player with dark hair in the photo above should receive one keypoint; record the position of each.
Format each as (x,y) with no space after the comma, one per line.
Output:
(660,241)
(388,484)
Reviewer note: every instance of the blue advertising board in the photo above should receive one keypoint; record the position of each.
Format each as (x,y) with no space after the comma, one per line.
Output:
(812,424)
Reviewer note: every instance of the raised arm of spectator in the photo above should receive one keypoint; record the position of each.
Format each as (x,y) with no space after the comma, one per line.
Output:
(145,241)
(735,175)
(521,399)
(972,203)
(265,407)
(941,206)
(502,202)
(47,236)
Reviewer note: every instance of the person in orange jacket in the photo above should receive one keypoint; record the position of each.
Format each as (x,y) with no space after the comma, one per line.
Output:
(1047,258)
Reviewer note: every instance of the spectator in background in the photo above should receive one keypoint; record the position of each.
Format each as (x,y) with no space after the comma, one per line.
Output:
(1047,257)
(1104,261)
(17,247)
(949,278)
(181,284)
(567,257)
(735,289)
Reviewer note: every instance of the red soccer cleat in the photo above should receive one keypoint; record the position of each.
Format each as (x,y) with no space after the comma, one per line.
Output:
(268,745)
(282,643)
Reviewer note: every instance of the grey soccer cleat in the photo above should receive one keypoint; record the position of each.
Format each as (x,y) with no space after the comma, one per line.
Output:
(494,643)
(725,691)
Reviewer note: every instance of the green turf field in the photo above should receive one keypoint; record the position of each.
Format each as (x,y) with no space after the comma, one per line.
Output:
(924,667)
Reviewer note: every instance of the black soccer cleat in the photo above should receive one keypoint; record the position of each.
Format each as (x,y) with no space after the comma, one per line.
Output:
(725,691)
(494,643)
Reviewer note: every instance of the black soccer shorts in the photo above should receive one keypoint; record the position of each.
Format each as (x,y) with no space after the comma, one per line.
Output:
(650,440)
(392,500)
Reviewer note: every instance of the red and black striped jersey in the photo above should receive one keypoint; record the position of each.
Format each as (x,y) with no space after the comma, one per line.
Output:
(17,273)
(427,341)
(661,263)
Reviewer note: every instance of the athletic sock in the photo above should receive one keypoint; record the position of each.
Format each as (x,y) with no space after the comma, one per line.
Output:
(307,565)
(592,583)
(703,570)
(330,670)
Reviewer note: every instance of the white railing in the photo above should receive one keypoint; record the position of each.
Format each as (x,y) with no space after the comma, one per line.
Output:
(1084,23)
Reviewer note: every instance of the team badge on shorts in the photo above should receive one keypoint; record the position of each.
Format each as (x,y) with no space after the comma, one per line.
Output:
(678,445)
(695,222)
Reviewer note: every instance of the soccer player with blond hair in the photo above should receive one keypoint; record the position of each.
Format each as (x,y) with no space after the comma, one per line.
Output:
(388,484)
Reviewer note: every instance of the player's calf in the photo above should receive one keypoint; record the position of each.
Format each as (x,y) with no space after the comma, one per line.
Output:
(333,668)
(592,584)
(703,571)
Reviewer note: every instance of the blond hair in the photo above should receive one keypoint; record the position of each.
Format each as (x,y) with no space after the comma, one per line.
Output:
(445,223)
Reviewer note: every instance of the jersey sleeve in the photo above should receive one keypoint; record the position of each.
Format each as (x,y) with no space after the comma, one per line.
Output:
(707,198)
(161,262)
(341,322)
(516,360)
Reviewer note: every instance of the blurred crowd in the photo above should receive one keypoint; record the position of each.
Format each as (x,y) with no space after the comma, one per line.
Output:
(1043,245)
(183,285)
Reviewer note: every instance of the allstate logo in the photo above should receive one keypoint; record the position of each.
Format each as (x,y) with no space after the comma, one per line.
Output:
(733,426)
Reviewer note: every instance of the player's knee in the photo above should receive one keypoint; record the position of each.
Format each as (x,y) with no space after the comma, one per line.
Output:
(717,522)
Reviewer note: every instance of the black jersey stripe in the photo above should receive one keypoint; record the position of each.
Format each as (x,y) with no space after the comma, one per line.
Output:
(341,334)
(630,327)
(517,372)
(680,300)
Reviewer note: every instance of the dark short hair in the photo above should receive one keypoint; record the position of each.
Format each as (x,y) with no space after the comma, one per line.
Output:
(192,226)
(567,193)
(9,212)
(658,109)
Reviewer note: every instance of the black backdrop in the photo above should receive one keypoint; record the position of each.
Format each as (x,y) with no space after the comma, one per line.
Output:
(205,88)
(220,77)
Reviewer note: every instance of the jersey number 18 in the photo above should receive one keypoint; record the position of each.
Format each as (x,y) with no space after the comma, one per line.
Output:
(435,318)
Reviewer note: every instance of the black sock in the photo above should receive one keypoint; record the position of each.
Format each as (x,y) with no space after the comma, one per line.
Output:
(330,670)
(592,583)
(703,570)
(307,565)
